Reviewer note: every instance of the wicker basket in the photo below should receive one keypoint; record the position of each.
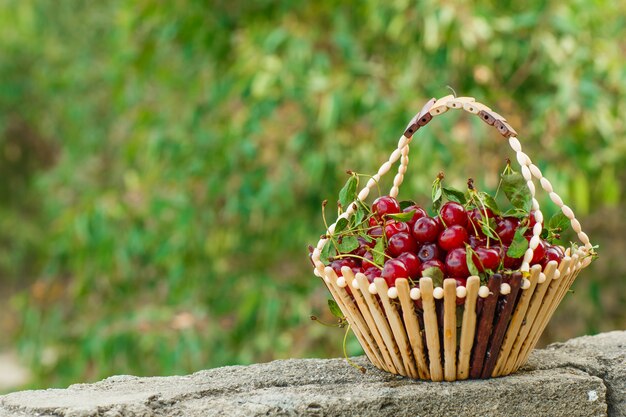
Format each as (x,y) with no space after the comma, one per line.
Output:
(501,322)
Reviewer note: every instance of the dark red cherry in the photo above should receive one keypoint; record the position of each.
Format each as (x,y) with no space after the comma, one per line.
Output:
(429,251)
(400,243)
(373,222)
(456,263)
(486,258)
(372,273)
(510,263)
(393,227)
(419,213)
(364,246)
(475,218)
(338,263)
(433,263)
(453,237)
(505,228)
(375,232)
(539,252)
(453,213)
(385,205)
(411,262)
(392,270)
(476,241)
(426,230)
(532,221)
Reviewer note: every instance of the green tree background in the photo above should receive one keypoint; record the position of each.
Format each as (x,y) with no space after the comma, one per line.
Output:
(163,163)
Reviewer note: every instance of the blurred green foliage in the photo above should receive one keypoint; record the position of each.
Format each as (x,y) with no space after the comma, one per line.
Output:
(163,163)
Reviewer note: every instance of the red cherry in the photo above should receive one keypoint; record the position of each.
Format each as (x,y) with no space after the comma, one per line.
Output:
(476,241)
(419,213)
(392,270)
(456,263)
(368,262)
(453,213)
(532,221)
(505,228)
(426,230)
(393,227)
(433,263)
(411,262)
(510,263)
(553,253)
(429,251)
(338,263)
(453,237)
(375,232)
(373,222)
(372,273)
(400,243)
(486,258)
(539,252)
(385,205)
(475,217)
(364,246)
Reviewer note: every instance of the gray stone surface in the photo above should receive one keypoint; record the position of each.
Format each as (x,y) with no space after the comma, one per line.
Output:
(582,377)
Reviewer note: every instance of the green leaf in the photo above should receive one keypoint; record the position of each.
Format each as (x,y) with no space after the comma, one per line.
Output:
(436,274)
(334,309)
(406,203)
(341,225)
(402,217)
(348,244)
(489,202)
(469,259)
(454,195)
(436,194)
(359,215)
(517,213)
(489,227)
(516,190)
(378,253)
(348,193)
(328,251)
(559,221)
(519,244)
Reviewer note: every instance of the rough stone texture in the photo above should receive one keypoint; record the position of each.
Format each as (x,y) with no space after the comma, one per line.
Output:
(582,377)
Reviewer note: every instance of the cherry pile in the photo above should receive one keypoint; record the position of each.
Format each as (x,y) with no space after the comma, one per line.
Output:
(395,244)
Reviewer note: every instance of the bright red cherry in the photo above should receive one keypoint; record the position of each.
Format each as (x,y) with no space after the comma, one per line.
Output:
(426,230)
(486,258)
(368,262)
(539,252)
(373,222)
(456,263)
(505,228)
(433,263)
(393,227)
(453,237)
(385,205)
(412,264)
(453,213)
(392,270)
(400,243)
(429,251)
(553,253)
(419,213)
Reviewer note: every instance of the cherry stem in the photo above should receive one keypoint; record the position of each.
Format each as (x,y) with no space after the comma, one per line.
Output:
(345,352)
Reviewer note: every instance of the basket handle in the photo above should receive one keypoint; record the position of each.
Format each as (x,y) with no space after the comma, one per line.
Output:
(436,107)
